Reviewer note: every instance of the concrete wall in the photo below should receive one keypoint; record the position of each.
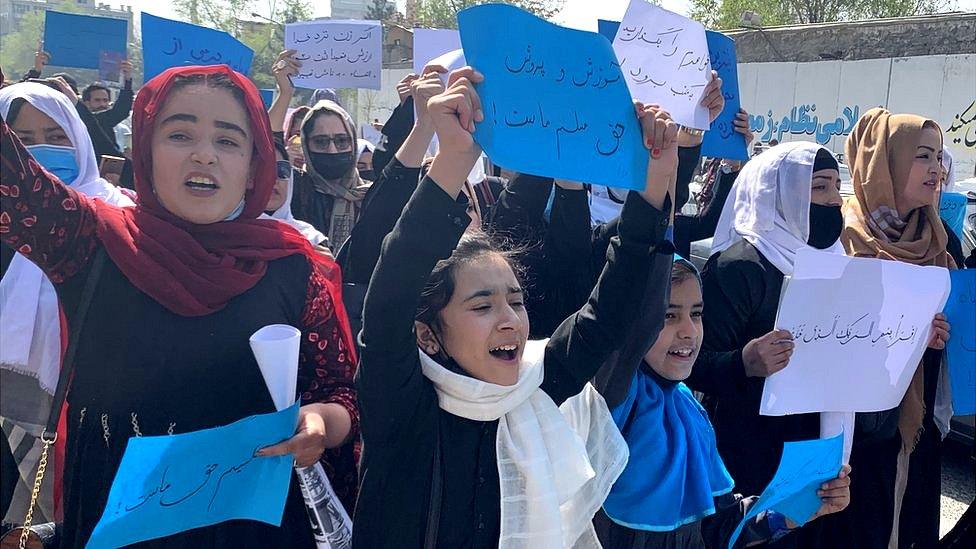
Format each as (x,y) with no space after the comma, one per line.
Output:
(946,34)
(820,101)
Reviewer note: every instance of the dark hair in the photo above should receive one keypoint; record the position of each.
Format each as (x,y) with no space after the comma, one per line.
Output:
(440,284)
(72,83)
(279,146)
(213,80)
(92,88)
(682,271)
(14,111)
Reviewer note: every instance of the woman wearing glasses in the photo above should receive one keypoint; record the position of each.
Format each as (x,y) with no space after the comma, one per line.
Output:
(329,195)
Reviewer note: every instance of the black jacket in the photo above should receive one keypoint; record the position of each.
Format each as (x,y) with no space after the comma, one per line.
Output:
(401,420)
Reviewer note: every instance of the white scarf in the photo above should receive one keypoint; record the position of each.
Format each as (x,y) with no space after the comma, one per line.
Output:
(30,337)
(555,465)
(284,214)
(769,205)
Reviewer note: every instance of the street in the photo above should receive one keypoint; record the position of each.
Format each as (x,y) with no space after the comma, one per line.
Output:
(958,483)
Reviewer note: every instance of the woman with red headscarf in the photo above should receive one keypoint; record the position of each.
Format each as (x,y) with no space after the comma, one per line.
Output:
(191,274)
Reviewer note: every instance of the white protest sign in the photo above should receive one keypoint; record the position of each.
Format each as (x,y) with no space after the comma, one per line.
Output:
(860,327)
(664,58)
(429,44)
(337,53)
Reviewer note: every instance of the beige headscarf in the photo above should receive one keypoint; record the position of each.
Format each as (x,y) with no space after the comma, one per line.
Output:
(881,150)
(349,190)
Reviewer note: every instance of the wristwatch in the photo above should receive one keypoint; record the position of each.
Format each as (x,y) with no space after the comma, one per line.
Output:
(692,131)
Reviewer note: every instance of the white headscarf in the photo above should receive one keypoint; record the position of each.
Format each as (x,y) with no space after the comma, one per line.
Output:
(30,336)
(949,166)
(769,205)
(284,214)
(555,465)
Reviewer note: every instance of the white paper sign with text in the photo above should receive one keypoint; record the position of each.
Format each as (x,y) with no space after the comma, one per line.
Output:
(860,327)
(337,53)
(664,58)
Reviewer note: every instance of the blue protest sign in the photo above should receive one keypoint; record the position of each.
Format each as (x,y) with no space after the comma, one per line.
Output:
(721,140)
(960,311)
(81,40)
(952,209)
(554,99)
(267,96)
(804,466)
(173,483)
(608,28)
(167,43)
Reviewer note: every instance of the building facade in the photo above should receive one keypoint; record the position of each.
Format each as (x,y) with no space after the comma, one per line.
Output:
(350,9)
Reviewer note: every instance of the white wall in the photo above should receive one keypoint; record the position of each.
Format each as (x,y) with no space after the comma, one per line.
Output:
(941,87)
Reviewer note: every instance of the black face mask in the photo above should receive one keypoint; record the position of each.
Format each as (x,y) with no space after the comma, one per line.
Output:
(368,175)
(333,165)
(826,224)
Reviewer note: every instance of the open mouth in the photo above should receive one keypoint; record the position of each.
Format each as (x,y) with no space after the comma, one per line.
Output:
(932,184)
(504,352)
(683,353)
(201,185)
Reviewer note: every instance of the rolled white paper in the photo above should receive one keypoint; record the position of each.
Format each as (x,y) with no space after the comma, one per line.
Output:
(834,423)
(276,349)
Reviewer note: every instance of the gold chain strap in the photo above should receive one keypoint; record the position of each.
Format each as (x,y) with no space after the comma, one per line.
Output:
(36,492)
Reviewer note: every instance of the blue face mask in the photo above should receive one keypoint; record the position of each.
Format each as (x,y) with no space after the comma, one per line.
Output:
(58,160)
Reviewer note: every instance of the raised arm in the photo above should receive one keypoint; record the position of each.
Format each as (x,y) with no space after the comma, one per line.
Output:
(584,341)
(123,103)
(430,227)
(40,217)
(284,67)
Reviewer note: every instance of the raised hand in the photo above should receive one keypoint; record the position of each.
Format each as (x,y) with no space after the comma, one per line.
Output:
(453,114)
(423,89)
(713,98)
(741,124)
(285,65)
(403,86)
(661,138)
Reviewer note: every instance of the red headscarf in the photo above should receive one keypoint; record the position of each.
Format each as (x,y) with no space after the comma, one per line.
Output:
(194,270)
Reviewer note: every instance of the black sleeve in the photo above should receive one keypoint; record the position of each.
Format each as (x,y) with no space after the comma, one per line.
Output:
(518,213)
(732,291)
(688,229)
(389,377)
(688,158)
(102,144)
(584,341)
(568,273)
(119,111)
(954,246)
(614,379)
(717,529)
(31,74)
(395,132)
(391,191)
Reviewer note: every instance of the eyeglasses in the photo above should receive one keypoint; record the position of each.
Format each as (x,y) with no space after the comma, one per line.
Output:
(284,169)
(342,141)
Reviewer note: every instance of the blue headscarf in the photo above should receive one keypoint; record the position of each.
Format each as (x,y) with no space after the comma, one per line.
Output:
(674,472)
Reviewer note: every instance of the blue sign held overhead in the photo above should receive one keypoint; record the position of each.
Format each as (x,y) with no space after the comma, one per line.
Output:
(804,466)
(167,43)
(554,99)
(960,311)
(721,139)
(83,41)
(608,28)
(173,483)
